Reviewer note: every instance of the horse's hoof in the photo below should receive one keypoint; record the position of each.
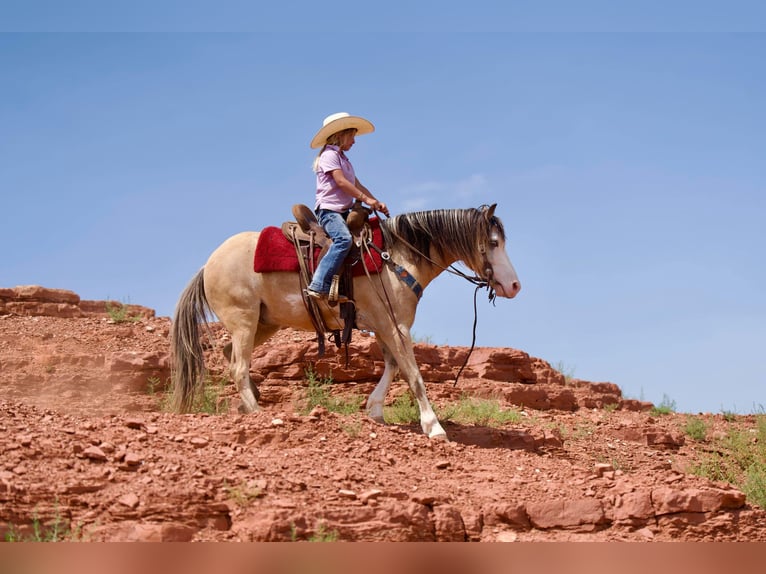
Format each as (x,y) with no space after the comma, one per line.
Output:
(244,410)
(439,437)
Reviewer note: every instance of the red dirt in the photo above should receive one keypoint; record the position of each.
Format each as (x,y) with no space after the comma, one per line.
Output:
(85,447)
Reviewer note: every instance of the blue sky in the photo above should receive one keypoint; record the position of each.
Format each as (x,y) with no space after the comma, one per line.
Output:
(625,152)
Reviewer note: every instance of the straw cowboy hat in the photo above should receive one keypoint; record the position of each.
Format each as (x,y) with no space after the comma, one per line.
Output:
(338,122)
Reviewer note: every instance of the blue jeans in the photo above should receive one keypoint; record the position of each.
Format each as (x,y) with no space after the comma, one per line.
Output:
(335,226)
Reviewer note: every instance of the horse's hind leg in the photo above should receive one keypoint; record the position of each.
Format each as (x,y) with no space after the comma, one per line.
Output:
(378,396)
(244,338)
(227,352)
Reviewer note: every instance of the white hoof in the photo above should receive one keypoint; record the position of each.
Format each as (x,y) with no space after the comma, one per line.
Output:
(249,404)
(439,436)
(376,413)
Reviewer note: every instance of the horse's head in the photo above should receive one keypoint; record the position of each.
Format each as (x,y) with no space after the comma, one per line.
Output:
(496,267)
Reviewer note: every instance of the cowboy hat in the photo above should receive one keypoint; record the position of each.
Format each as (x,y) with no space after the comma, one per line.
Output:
(338,122)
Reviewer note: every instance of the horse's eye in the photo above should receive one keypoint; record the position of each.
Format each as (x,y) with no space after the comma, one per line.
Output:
(493,243)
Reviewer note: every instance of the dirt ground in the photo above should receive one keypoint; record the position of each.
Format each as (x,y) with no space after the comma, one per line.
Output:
(89,454)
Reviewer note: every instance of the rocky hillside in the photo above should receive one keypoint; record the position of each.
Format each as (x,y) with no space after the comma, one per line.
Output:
(90,453)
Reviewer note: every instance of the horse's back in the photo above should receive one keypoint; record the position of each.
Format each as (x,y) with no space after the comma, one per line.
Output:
(229,269)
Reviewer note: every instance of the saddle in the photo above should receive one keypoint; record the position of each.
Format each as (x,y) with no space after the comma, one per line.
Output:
(308,236)
(307,228)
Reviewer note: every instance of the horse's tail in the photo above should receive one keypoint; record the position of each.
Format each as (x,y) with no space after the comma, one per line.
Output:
(187,365)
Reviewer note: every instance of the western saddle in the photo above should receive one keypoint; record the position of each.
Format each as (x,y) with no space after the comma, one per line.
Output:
(307,235)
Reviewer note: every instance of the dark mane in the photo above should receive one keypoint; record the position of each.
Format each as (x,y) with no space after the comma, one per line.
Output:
(448,231)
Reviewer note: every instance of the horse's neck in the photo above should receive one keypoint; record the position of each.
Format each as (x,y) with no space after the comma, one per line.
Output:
(425,269)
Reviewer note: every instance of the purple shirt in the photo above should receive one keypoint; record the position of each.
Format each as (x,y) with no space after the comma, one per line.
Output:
(329,195)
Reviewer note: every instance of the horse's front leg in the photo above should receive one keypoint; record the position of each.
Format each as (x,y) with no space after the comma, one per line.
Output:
(378,396)
(428,421)
(405,358)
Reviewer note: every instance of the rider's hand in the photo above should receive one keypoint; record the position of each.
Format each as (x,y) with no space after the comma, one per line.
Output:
(379,206)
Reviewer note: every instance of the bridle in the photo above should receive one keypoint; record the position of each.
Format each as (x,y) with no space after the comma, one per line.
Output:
(484,281)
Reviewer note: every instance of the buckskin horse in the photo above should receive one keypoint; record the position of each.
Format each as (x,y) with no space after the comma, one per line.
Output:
(253,306)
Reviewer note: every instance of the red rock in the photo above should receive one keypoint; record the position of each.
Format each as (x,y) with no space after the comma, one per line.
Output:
(371,494)
(94,453)
(168,532)
(669,500)
(583,514)
(132,459)
(130,500)
(448,524)
(60,396)
(664,439)
(38,293)
(513,515)
(634,505)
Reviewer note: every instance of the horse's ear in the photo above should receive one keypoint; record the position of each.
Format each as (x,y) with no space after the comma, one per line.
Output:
(489,214)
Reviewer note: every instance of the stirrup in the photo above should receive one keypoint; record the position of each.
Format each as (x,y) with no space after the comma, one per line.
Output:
(333,298)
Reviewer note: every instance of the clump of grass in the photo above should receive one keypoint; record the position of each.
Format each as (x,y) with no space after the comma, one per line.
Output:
(404,410)
(739,458)
(696,428)
(153,385)
(666,407)
(318,394)
(210,399)
(611,407)
(322,534)
(156,388)
(565,370)
(244,493)
(425,339)
(56,530)
(729,416)
(482,412)
(120,313)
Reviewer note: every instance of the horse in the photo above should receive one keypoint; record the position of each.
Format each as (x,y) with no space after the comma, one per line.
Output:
(253,306)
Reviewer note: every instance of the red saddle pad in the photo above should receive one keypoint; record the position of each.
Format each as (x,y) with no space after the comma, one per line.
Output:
(275,252)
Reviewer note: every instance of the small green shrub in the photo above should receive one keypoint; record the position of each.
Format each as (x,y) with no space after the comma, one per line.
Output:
(120,313)
(404,410)
(729,416)
(324,535)
(425,339)
(243,494)
(318,394)
(482,412)
(209,401)
(739,458)
(57,530)
(696,428)
(565,370)
(666,407)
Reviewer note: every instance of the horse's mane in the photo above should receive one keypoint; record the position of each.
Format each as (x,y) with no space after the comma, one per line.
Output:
(448,231)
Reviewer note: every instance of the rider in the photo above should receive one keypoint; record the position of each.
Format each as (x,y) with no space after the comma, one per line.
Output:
(336,189)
